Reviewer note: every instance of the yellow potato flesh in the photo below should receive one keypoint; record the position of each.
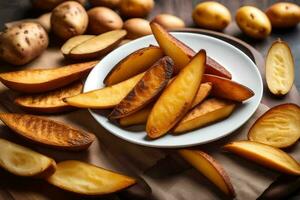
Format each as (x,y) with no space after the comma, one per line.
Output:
(74,42)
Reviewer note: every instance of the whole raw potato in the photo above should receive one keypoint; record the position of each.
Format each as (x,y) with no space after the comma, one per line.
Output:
(211,15)
(136,8)
(169,21)
(137,27)
(50,4)
(23,42)
(253,22)
(106,3)
(284,15)
(69,19)
(102,19)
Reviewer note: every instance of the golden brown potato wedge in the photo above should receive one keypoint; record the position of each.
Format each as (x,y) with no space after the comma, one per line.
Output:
(97,46)
(177,98)
(133,64)
(181,53)
(107,97)
(42,80)
(228,89)
(265,155)
(278,127)
(280,68)
(203,92)
(47,132)
(87,179)
(74,42)
(49,102)
(210,168)
(209,111)
(146,90)
(22,161)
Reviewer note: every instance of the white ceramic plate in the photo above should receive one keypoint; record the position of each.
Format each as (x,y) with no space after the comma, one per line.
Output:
(243,70)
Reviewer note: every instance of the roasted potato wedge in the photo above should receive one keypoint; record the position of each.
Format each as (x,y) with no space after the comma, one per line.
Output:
(97,46)
(265,155)
(133,64)
(209,111)
(149,87)
(87,179)
(278,127)
(203,92)
(47,132)
(228,89)
(74,42)
(210,168)
(181,53)
(107,97)
(22,161)
(177,98)
(280,73)
(49,102)
(42,80)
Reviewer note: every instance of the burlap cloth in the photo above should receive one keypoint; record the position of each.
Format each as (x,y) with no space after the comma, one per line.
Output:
(161,173)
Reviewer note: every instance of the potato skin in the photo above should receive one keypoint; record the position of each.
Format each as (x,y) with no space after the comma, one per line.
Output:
(137,27)
(50,4)
(102,19)
(169,21)
(211,15)
(136,8)
(106,3)
(23,42)
(69,19)
(284,15)
(253,22)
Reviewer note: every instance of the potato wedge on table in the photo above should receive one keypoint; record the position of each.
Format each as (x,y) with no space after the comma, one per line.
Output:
(74,42)
(49,102)
(228,89)
(177,98)
(278,127)
(133,64)
(209,111)
(42,80)
(149,87)
(210,168)
(181,53)
(265,155)
(22,161)
(107,97)
(47,132)
(87,179)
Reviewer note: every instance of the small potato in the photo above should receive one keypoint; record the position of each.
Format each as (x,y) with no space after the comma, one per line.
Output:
(106,3)
(211,15)
(21,43)
(253,22)
(137,27)
(69,19)
(50,4)
(44,20)
(136,8)
(169,21)
(102,19)
(284,15)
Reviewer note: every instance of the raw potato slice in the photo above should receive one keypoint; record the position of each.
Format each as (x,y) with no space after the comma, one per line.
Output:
(177,98)
(74,42)
(148,88)
(265,155)
(22,161)
(280,73)
(47,132)
(278,127)
(133,64)
(181,53)
(98,46)
(42,80)
(50,102)
(228,89)
(209,111)
(87,179)
(210,168)
(141,116)
(107,97)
